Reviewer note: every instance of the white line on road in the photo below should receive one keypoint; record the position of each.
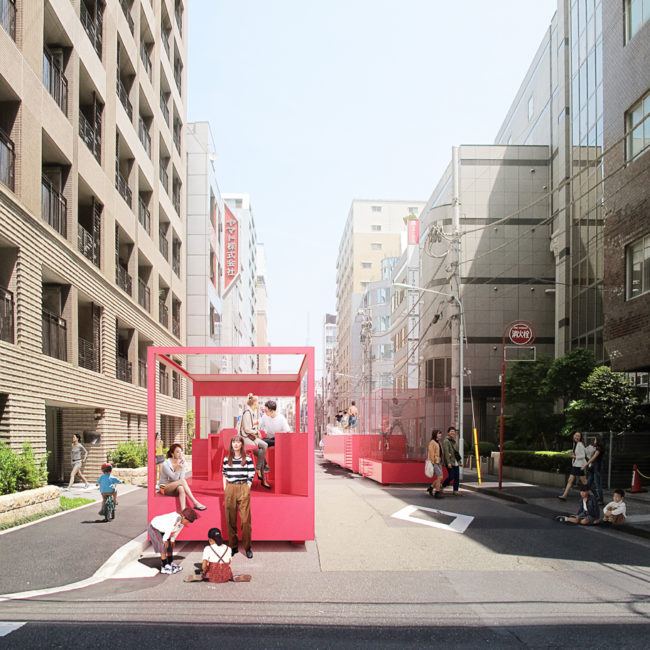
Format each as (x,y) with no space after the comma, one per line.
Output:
(9,627)
(459,524)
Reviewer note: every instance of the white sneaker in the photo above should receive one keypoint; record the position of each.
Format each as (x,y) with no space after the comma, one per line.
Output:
(175,568)
(167,569)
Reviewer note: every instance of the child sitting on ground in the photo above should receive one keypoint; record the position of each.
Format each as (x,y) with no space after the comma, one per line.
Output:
(589,511)
(615,510)
(106,483)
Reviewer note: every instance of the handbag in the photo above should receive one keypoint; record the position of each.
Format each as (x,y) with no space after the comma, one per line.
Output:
(428,468)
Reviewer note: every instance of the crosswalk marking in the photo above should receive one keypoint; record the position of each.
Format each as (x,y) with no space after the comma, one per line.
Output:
(459,523)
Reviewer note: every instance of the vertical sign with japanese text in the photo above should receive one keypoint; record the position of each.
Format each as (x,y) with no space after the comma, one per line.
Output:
(231,249)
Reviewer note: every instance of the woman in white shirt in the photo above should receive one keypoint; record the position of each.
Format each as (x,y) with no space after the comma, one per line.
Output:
(578,462)
(172,481)
(273,422)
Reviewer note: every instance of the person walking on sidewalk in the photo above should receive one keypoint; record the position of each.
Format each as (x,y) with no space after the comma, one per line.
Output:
(435,456)
(578,462)
(593,469)
(78,455)
(451,457)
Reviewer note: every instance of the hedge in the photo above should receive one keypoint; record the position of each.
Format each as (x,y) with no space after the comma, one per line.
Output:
(129,454)
(21,471)
(546,461)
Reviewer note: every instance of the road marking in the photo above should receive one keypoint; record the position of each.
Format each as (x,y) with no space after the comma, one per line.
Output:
(459,524)
(8,628)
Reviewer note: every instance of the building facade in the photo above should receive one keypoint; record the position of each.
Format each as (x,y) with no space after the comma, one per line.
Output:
(261,306)
(92,226)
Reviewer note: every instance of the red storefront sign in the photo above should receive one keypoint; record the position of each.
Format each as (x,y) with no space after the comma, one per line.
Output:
(413,226)
(522,333)
(231,249)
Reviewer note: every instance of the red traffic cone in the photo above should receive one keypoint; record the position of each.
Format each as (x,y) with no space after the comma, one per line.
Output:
(636,481)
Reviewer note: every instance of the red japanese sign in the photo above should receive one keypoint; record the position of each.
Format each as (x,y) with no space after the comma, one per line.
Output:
(231,249)
(522,333)
(413,231)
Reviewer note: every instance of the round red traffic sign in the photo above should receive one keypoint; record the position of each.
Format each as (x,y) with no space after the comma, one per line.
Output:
(522,333)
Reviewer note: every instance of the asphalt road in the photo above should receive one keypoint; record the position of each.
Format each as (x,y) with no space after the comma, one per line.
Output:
(513,578)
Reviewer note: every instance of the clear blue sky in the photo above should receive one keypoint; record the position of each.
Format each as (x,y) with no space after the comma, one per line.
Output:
(313,103)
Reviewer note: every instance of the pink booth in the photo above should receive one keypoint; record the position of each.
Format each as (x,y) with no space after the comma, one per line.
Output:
(286,512)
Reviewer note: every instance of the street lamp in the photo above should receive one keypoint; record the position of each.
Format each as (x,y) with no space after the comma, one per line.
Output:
(461,359)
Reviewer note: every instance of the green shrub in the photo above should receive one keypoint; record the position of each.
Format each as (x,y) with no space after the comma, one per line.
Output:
(485,448)
(546,461)
(21,471)
(128,454)
(509,445)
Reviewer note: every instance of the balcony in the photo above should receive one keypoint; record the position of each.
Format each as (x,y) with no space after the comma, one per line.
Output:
(176,197)
(176,386)
(176,326)
(144,216)
(54,336)
(8,16)
(123,279)
(90,135)
(178,69)
(54,206)
(87,245)
(145,138)
(123,368)
(142,373)
(164,108)
(164,176)
(146,60)
(163,313)
(163,382)
(123,94)
(7,160)
(93,27)
(176,265)
(163,243)
(6,315)
(165,41)
(177,135)
(127,14)
(144,295)
(178,12)
(88,355)
(54,80)
(122,186)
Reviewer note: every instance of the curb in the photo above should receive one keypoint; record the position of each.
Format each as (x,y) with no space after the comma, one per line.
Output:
(494,493)
(128,553)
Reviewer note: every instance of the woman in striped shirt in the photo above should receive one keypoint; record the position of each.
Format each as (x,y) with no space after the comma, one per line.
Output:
(238,472)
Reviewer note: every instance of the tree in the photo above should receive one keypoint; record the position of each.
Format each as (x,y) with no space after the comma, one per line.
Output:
(609,403)
(567,374)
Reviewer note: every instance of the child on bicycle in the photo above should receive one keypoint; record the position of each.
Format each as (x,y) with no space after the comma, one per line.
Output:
(106,483)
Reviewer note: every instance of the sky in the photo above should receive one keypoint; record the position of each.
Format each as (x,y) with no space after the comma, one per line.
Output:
(314,103)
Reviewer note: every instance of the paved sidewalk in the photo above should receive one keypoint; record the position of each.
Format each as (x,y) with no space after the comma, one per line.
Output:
(544,500)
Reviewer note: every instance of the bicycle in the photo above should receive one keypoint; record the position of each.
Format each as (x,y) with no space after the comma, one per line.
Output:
(108,510)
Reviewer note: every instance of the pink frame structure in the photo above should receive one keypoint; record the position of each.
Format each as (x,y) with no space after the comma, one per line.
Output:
(286,512)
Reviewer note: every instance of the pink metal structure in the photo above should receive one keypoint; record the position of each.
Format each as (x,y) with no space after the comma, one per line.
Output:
(393,433)
(286,512)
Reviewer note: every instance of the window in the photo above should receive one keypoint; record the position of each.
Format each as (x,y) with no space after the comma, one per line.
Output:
(375,228)
(531,108)
(375,247)
(414,210)
(637,12)
(637,127)
(637,262)
(366,265)
(383,323)
(376,208)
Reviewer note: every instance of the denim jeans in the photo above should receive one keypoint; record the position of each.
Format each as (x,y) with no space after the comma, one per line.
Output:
(593,481)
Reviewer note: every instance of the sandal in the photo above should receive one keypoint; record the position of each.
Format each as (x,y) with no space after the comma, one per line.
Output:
(200,506)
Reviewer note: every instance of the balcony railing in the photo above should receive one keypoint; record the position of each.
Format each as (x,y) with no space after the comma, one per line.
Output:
(8,16)
(123,279)
(93,27)
(7,160)
(146,60)
(90,135)
(176,265)
(178,12)
(177,135)
(124,98)
(6,315)
(88,246)
(142,373)
(165,40)
(127,13)
(164,177)
(164,108)
(163,313)
(176,386)
(54,206)
(145,138)
(144,295)
(176,326)
(163,382)
(163,243)
(88,355)
(122,186)
(123,369)
(178,69)
(54,80)
(144,216)
(54,336)
(176,198)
